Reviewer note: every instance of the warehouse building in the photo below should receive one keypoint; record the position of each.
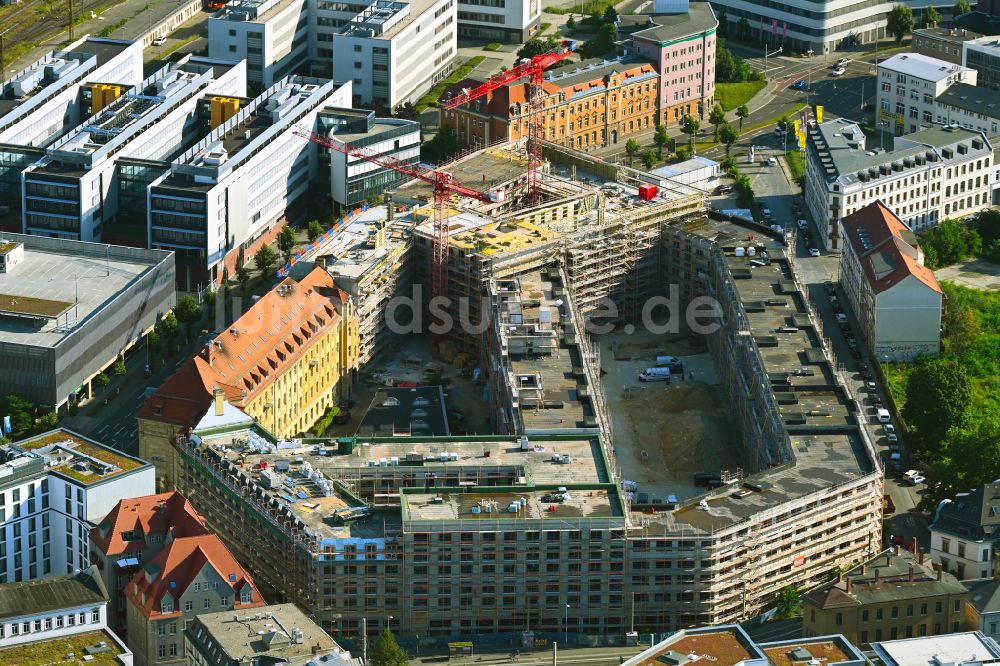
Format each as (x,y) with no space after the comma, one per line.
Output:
(69,309)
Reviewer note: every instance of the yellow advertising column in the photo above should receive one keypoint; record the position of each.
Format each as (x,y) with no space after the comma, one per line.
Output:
(819,113)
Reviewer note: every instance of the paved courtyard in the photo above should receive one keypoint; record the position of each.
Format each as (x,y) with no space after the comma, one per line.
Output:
(976,274)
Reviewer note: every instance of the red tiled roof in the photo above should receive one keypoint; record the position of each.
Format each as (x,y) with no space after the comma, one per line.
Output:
(886,253)
(256,349)
(176,566)
(165,513)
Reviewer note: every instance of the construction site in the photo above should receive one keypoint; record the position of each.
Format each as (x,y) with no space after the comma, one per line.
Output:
(688,502)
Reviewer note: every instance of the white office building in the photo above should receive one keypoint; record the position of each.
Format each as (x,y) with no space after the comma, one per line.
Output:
(511,21)
(272,35)
(54,94)
(894,297)
(374,45)
(393,52)
(909,84)
(230,193)
(71,191)
(54,488)
(803,25)
(924,178)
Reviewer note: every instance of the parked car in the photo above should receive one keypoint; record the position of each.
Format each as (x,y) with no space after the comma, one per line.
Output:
(772,161)
(159,41)
(862,366)
(724,189)
(889,429)
(802,224)
(765,211)
(839,71)
(813,252)
(918,479)
(872,387)
(893,439)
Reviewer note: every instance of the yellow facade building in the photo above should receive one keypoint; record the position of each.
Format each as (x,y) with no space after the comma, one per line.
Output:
(284,363)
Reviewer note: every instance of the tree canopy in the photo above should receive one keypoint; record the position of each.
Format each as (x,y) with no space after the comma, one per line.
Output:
(265,259)
(690,126)
(286,242)
(900,22)
(188,311)
(386,651)
(961,7)
(931,17)
(728,135)
(938,394)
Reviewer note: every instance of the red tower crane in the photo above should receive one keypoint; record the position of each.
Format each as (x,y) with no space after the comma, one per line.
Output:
(533,69)
(444,185)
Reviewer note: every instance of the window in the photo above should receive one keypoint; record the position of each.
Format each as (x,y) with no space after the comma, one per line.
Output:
(188,606)
(839,619)
(95,615)
(208,603)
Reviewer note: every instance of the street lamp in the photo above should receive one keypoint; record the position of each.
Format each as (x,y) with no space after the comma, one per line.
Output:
(566,626)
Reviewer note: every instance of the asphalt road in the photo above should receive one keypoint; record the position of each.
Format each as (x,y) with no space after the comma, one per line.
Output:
(599,656)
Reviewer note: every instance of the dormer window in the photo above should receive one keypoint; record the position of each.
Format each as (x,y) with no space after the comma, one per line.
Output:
(246,595)
(167,605)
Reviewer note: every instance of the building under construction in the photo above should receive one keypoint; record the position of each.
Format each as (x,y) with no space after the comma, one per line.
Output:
(536,530)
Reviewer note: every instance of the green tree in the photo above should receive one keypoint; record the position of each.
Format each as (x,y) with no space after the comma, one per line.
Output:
(742,112)
(961,328)
(102,381)
(265,259)
(690,126)
(442,147)
(49,421)
(632,148)
(950,242)
(728,135)
(788,600)
(571,24)
(900,22)
(153,341)
(188,312)
(723,19)
(744,26)
(661,139)
(931,17)
(20,411)
(717,117)
(386,651)
(537,46)
(119,369)
(169,326)
(961,7)
(602,43)
(610,14)
(314,230)
(286,243)
(938,393)
(243,277)
(648,159)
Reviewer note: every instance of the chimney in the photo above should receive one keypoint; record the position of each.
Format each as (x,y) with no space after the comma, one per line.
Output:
(915,545)
(864,569)
(316,648)
(920,557)
(848,584)
(899,551)
(909,574)
(840,576)
(876,574)
(220,397)
(207,353)
(939,573)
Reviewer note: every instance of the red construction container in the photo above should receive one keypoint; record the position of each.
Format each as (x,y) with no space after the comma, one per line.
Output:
(647,192)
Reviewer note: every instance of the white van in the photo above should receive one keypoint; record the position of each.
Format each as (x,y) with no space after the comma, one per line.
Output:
(655,375)
(883,415)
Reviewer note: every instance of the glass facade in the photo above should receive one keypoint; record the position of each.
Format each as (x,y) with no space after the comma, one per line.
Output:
(14,160)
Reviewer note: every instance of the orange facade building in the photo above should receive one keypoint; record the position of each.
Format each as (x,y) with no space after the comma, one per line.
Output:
(594,103)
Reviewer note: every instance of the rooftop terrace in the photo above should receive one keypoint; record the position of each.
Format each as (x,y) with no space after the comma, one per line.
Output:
(101,646)
(722,646)
(73,456)
(513,505)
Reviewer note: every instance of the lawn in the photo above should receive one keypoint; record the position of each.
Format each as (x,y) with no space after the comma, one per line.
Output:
(796,163)
(733,95)
(30,305)
(432,97)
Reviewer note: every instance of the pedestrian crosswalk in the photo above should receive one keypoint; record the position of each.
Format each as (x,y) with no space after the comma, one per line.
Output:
(772,65)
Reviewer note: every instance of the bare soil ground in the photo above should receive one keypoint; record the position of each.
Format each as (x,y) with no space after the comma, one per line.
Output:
(665,433)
